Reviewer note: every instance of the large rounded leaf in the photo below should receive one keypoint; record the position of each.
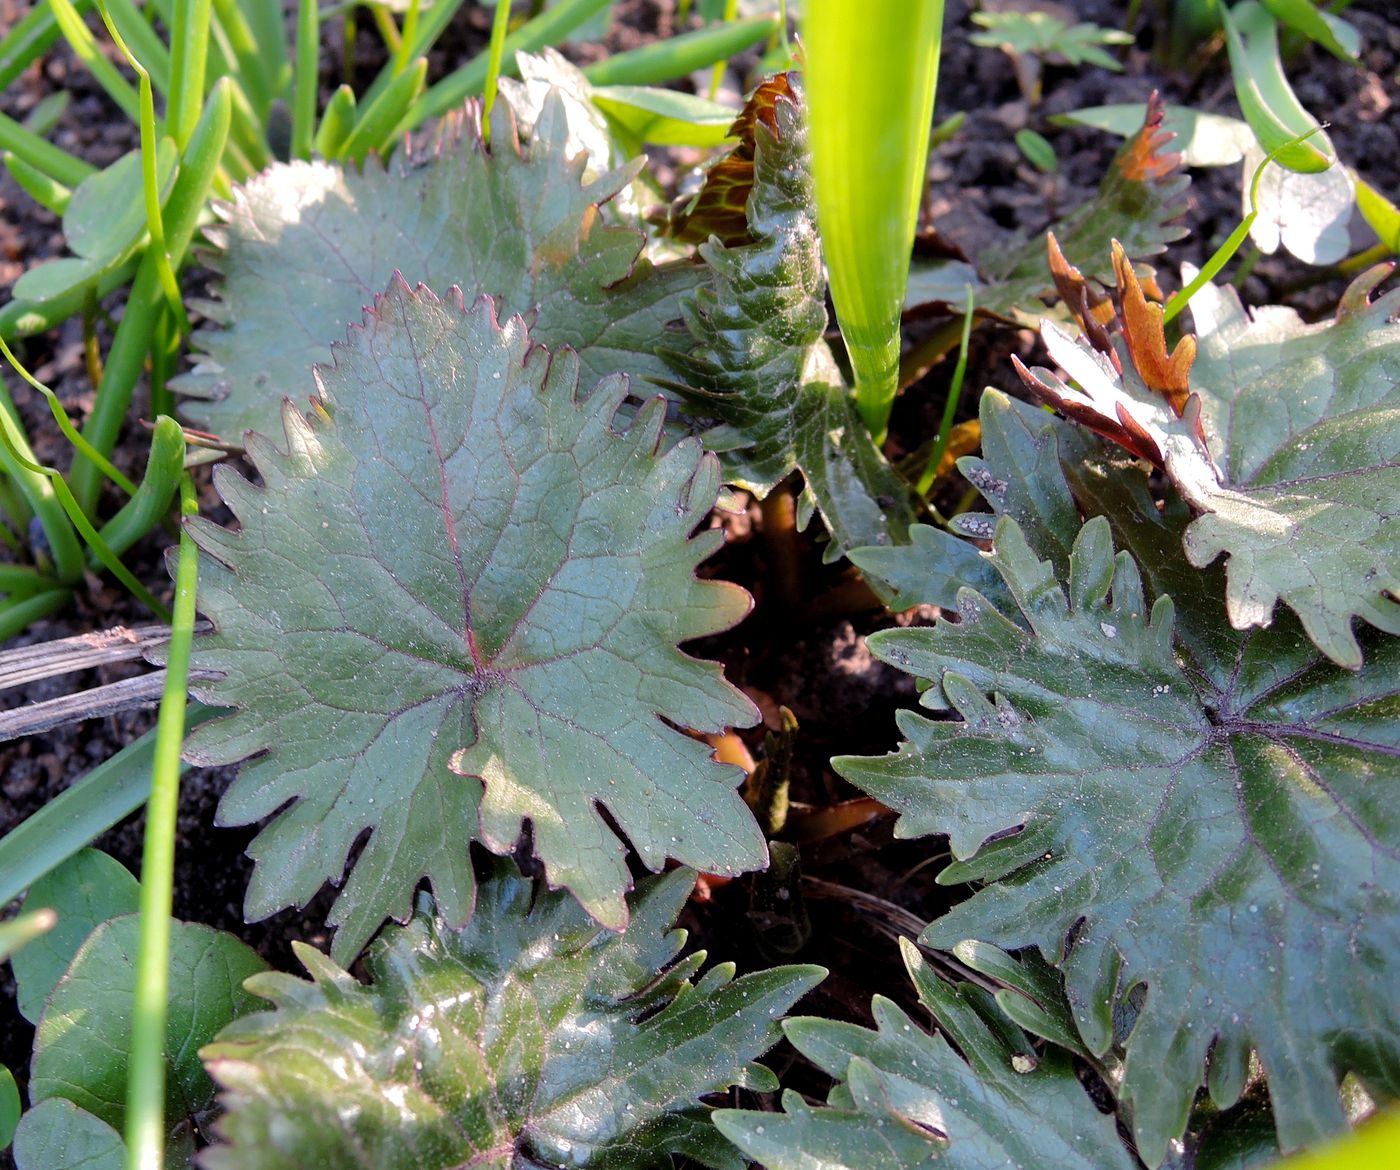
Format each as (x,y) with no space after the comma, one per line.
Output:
(308,245)
(84,1038)
(459,575)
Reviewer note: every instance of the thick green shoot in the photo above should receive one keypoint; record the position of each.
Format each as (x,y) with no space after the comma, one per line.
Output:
(872,67)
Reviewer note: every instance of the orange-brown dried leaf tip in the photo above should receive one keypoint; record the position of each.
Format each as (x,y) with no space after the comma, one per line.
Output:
(1087,302)
(1145,336)
(718,208)
(1144,158)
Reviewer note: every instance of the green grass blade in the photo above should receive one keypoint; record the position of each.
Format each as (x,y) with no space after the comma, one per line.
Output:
(336,123)
(65,424)
(164,465)
(307,78)
(43,155)
(680,56)
(872,67)
(379,123)
(145,1086)
(81,813)
(17,616)
(29,40)
(84,47)
(150,185)
(499,23)
(549,28)
(189,54)
(44,190)
(127,356)
(269,29)
(146,46)
(252,69)
(431,25)
(18,460)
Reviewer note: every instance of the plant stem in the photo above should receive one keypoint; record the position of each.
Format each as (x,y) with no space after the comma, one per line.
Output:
(499,23)
(145,1087)
(308,69)
(950,407)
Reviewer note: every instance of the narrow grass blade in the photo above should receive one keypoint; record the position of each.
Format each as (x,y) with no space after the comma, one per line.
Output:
(378,124)
(29,40)
(132,341)
(189,53)
(307,78)
(499,23)
(17,458)
(78,815)
(145,1092)
(43,155)
(549,28)
(682,55)
(85,48)
(337,122)
(252,69)
(872,67)
(44,190)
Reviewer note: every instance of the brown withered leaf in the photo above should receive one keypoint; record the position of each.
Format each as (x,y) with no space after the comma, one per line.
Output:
(719,207)
(1282,437)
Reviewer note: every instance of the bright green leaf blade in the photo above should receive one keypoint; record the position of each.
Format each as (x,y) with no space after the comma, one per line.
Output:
(760,368)
(58,1135)
(909,1099)
(82,1040)
(666,117)
(1204,139)
(309,245)
(1336,36)
(51,279)
(107,213)
(872,67)
(1226,845)
(552,1042)
(85,890)
(1380,214)
(459,574)
(1267,101)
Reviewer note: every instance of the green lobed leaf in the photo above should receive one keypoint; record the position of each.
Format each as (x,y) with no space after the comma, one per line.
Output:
(1154,797)
(907,1098)
(83,1038)
(307,246)
(760,367)
(531,1037)
(1294,464)
(454,606)
(85,890)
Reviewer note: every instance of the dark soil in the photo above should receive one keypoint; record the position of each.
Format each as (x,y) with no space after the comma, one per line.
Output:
(805,652)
